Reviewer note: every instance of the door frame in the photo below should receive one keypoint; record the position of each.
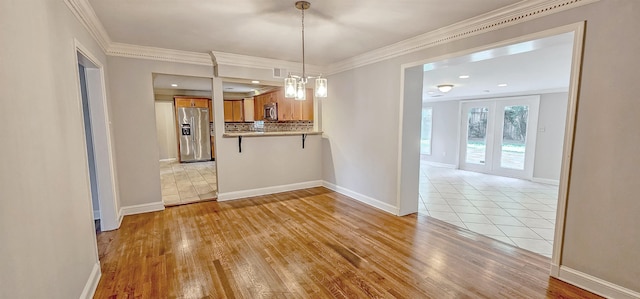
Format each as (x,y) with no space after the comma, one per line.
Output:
(493,130)
(110,217)
(409,153)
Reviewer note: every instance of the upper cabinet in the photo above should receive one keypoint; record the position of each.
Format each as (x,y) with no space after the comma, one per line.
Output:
(291,109)
(192,102)
(288,109)
(233,111)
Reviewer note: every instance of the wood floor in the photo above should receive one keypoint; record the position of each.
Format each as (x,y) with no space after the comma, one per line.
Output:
(312,243)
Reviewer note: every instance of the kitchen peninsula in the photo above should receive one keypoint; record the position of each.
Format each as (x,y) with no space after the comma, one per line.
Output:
(269,114)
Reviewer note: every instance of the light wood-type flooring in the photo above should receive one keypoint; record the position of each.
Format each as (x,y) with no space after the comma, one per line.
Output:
(312,243)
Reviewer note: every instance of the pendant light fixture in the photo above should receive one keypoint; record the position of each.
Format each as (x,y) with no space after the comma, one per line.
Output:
(295,86)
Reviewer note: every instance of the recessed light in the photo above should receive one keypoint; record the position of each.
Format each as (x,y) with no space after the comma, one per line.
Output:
(255,81)
(464,76)
(430,92)
(502,85)
(174,85)
(486,90)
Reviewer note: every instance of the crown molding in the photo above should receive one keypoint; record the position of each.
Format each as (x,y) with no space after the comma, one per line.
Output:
(161,54)
(83,11)
(507,16)
(504,17)
(231,59)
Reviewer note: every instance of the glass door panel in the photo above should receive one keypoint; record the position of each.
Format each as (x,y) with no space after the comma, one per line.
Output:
(476,138)
(514,151)
(477,135)
(514,137)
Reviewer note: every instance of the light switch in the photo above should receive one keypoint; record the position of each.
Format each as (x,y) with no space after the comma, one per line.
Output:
(542,129)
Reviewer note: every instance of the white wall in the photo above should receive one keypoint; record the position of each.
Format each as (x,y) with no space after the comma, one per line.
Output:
(551,124)
(166,130)
(362,124)
(548,151)
(444,135)
(265,162)
(48,245)
(134,124)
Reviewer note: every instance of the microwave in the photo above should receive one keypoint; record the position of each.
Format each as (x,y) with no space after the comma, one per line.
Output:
(271,111)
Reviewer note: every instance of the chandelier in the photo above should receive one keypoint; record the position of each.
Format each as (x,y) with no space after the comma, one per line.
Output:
(295,86)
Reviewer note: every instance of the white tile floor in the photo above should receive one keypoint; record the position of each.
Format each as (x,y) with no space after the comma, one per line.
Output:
(187,182)
(517,212)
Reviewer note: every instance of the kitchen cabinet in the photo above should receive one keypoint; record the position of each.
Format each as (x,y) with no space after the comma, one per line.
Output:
(233,111)
(290,109)
(192,102)
(210,111)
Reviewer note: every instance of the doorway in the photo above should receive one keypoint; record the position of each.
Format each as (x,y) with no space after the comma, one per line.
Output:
(453,186)
(97,134)
(499,136)
(185,132)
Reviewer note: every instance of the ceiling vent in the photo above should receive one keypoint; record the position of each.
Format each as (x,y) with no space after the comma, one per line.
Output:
(279,72)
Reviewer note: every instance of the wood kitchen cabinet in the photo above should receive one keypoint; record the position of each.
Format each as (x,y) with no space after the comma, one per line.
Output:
(192,102)
(290,109)
(233,111)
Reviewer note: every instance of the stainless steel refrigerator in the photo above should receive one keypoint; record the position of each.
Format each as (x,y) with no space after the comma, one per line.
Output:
(193,130)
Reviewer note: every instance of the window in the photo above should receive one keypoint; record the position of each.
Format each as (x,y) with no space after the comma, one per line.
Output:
(425,136)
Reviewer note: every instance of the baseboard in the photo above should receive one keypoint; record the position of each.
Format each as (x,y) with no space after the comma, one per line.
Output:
(362,198)
(139,209)
(546,181)
(96,215)
(268,190)
(595,285)
(168,160)
(92,283)
(555,270)
(443,165)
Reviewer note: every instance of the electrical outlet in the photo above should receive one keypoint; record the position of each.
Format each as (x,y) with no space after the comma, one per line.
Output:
(444,154)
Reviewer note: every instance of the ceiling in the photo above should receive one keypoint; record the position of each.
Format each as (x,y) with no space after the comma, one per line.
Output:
(335,29)
(164,81)
(542,66)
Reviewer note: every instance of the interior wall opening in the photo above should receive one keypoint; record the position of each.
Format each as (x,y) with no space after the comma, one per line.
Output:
(492,141)
(91,91)
(185,132)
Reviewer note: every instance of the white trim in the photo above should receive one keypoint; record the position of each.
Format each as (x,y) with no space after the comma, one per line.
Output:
(522,11)
(567,148)
(168,160)
(500,18)
(231,59)
(443,165)
(108,208)
(161,54)
(140,209)
(546,181)
(92,283)
(83,11)
(362,198)
(267,190)
(596,285)
(96,214)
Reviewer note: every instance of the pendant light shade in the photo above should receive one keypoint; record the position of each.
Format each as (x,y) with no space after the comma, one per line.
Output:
(301,91)
(290,87)
(321,87)
(294,86)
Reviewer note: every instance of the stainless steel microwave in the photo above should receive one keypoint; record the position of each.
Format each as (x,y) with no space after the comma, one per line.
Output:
(271,111)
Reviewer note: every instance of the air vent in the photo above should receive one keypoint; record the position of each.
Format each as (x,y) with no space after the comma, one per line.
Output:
(279,73)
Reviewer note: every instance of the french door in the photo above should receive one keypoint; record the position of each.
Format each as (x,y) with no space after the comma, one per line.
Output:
(499,136)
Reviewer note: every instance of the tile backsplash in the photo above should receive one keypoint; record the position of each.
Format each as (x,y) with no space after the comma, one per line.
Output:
(271,126)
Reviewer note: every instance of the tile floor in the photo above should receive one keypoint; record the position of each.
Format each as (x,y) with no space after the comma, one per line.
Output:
(518,212)
(187,182)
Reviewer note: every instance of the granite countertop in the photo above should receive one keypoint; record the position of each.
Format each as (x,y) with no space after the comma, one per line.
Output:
(261,134)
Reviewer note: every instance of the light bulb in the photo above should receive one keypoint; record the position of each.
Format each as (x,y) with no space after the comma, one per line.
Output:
(301,93)
(289,87)
(321,88)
